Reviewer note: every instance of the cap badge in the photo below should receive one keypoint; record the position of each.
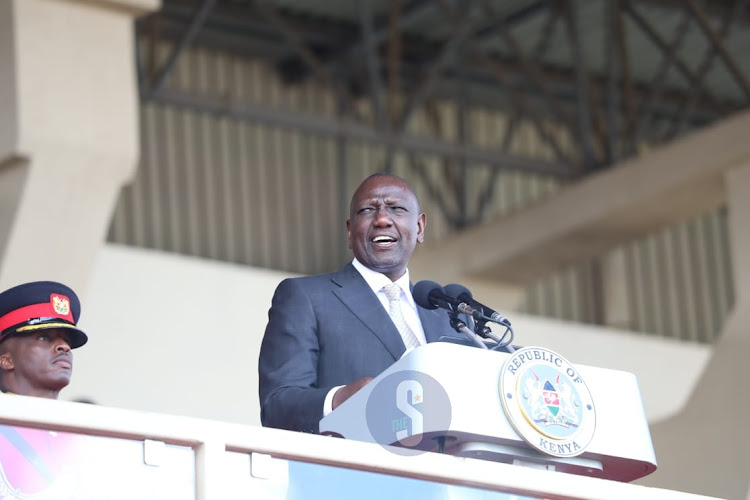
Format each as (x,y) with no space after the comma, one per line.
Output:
(61,304)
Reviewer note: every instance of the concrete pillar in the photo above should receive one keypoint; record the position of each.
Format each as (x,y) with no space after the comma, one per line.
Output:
(705,448)
(738,197)
(615,305)
(69,136)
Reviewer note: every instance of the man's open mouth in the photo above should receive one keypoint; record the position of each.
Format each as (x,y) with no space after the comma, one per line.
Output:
(383,240)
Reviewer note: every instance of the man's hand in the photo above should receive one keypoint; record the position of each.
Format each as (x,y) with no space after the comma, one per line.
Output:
(348,391)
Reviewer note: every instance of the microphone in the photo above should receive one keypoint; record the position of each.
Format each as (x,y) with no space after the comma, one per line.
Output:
(462,294)
(431,295)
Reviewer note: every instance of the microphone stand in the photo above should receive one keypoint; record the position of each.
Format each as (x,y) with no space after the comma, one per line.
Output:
(481,328)
(461,327)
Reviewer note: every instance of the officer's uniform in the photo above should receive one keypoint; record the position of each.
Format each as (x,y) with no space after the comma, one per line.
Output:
(33,461)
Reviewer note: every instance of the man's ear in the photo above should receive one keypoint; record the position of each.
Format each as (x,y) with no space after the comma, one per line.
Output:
(6,362)
(421,223)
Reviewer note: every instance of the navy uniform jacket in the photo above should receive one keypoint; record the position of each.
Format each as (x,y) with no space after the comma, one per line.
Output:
(324,331)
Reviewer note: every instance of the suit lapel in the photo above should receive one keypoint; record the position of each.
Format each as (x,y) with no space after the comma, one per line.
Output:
(359,299)
(435,325)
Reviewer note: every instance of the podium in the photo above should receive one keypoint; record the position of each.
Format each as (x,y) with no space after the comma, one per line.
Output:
(467,402)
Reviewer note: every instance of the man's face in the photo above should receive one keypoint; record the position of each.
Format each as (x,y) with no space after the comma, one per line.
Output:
(385,225)
(39,361)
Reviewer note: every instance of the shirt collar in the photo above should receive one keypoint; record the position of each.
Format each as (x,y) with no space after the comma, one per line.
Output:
(376,281)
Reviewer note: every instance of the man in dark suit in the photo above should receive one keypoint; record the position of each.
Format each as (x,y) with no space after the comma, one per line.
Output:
(329,335)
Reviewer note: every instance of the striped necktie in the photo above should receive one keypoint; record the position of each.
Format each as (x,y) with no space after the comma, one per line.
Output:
(393,292)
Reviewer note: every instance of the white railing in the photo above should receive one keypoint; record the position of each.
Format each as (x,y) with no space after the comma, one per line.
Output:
(155,454)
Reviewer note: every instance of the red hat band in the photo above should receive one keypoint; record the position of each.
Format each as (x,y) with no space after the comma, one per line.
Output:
(57,307)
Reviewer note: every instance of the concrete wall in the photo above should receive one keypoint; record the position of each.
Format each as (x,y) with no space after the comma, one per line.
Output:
(181,335)
(705,446)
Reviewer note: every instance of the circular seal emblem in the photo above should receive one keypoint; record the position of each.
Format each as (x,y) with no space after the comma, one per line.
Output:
(547,402)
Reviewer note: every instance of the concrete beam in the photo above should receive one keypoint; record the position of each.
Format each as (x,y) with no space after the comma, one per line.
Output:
(630,200)
(131,8)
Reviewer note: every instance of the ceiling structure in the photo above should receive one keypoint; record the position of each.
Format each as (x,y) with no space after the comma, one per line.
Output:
(597,81)
(617,75)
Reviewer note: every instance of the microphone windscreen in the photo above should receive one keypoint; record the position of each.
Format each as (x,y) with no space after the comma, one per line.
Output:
(456,291)
(421,293)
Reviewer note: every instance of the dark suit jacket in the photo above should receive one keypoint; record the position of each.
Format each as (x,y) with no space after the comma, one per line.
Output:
(324,331)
